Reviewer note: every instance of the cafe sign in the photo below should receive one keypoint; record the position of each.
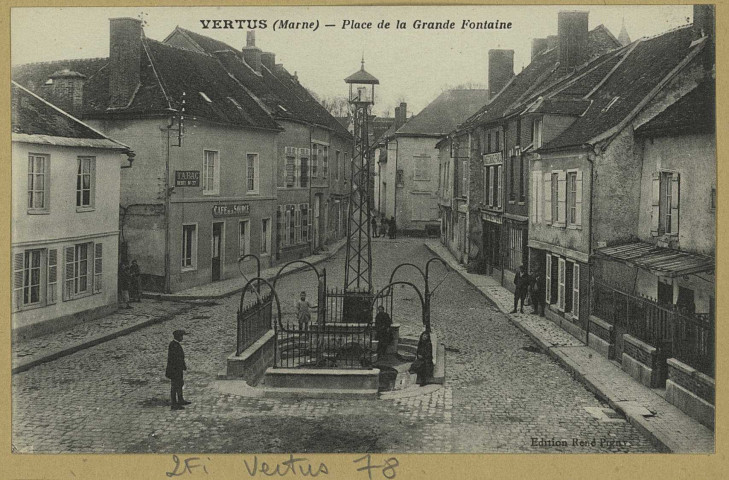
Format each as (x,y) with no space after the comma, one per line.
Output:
(187,178)
(231,210)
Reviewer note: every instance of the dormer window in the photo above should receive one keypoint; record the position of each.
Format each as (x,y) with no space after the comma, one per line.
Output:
(205,97)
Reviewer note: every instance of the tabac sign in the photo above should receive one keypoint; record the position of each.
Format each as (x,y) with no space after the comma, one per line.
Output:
(231,210)
(187,178)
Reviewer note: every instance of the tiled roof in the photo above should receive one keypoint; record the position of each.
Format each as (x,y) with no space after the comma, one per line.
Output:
(284,96)
(444,113)
(165,72)
(539,74)
(35,120)
(693,113)
(641,71)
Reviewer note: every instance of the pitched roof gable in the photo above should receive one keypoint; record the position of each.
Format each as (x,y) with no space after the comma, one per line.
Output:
(640,73)
(36,120)
(444,113)
(285,97)
(540,73)
(693,113)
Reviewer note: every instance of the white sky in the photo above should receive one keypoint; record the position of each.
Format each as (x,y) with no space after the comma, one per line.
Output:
(414,65)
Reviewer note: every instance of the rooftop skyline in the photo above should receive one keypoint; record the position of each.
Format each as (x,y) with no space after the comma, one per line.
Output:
(414,66)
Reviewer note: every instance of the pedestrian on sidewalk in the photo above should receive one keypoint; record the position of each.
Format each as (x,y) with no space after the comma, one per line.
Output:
(383,226)
(175,367)
(423,364)
(135,292)
(521,288)
(392,230)
(374,227)
(124,281)
(303,314)
(537,294)
(383,334)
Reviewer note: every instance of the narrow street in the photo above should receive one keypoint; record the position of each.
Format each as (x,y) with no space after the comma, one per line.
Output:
(501,392)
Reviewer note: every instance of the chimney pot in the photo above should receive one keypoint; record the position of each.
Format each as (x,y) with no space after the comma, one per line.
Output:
(251,38)
(572,28)
(125,49)
(703,20)
(501,69)
(539,45)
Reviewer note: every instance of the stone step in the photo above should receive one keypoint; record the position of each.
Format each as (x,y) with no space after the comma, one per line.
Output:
(318,378)
(280,392)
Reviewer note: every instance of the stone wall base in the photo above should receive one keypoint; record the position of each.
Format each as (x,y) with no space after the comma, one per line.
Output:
(690,404)
(62,323)
(253,361)
(639,372)
(566,325)
(603,347)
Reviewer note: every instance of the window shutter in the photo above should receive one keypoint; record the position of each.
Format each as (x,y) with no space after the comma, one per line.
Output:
(52,276)
(548,280)
(68,274)
(539,195)
(18,279)
(492,192)
(578,199)
(548,198)
(576,290)
(216,173)
(561,282)
(98,264)
(655,203)
(562,198)
(675,193)
(533,195)
(499,183)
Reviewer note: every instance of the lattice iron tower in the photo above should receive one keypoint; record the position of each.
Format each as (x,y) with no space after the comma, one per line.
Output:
(358,267)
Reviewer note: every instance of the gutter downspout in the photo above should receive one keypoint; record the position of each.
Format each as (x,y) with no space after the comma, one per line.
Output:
(167,208)
(467,240)
(591,160)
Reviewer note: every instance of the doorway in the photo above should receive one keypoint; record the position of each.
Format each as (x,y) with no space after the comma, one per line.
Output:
(217,249)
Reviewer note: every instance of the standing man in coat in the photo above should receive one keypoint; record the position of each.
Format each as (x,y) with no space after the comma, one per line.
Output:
(175,367)
(521,288)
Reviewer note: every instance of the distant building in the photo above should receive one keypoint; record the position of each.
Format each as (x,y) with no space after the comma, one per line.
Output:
(409,179)
(65,228)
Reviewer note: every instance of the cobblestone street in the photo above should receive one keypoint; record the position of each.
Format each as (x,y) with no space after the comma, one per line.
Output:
(502,394)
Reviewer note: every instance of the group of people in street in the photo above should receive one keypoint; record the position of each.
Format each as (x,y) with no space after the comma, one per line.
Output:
(386,227)
(130,289)
(531,286)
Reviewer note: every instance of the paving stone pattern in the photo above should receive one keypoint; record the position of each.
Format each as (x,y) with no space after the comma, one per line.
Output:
(500,390)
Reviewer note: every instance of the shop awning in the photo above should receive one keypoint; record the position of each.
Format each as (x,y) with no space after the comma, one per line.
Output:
(661,261)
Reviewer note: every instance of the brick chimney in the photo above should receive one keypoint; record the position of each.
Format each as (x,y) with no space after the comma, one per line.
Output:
(251,53)
(572,27)
(268,60)
(68,90)
(501,69)
(552,41)
(125,50)
(539,45)
(703,21)
(397,118)
(403,113)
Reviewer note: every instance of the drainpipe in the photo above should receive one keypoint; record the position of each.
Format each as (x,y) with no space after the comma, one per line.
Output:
(591,160)
(167,207)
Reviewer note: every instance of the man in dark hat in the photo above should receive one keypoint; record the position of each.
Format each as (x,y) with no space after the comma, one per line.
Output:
(175,367)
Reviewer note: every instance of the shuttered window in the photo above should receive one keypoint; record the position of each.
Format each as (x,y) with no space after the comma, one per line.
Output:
(561,198)
(561,284)
(80,270)
(51,289)
(576,290)
(499,185)
(211,173)
(548,279)
(98,267)
(28,278)
(304,208)
(290,172)
(252,173)
(548,195)
(665,203)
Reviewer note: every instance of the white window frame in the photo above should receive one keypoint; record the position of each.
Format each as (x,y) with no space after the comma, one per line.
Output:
(71,283)
(571,202)
(31,190)
(548,279)
(265,237)
(314,161)
(80,206)
(192,248)
(244,241)
(211,186)
(499,185)
(22,276)
(537,129)
(464,178)
(291,153)
(252,189)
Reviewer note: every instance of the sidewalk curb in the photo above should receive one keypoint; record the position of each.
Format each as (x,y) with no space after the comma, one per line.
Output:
(22,366)
(171,297)
(575,370)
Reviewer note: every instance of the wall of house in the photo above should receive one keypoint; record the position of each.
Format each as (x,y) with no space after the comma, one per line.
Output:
(63,225)
(693,157)
(417,201)
(616,187)
(570,238)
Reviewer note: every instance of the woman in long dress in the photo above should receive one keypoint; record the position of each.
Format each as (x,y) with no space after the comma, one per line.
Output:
(423,364)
